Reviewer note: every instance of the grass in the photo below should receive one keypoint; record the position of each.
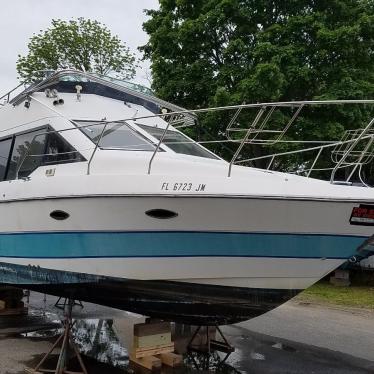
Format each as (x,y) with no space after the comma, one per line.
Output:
(353,296)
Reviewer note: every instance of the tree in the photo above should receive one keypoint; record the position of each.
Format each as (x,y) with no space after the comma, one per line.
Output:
(80,44)
(224,52)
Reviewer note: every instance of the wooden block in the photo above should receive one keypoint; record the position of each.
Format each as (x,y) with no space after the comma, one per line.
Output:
(342,274)
(171,359)
(152,340)
(149,362)
(144,329)
(2,304)
(13,311)
(340,282)
(143,352)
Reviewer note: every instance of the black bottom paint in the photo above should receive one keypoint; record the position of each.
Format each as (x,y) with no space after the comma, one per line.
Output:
(189,303)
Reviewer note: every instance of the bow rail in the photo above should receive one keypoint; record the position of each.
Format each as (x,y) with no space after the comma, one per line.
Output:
(250,128)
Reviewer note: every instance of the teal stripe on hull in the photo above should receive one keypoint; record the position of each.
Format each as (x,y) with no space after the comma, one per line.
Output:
(176,244)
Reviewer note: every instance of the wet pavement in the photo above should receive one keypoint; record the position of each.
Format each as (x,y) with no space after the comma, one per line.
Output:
(104,337)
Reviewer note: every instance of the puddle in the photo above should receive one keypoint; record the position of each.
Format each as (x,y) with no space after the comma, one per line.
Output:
(257,356)
(277,345)
(206,362)
(107,341)
(42,334)
(96,338)
(284,347)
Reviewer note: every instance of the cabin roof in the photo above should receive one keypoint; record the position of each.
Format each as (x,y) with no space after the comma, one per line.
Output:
(65,81)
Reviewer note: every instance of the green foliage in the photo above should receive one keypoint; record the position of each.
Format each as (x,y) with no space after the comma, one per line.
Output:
(80,44)
(357,296)
(222,52)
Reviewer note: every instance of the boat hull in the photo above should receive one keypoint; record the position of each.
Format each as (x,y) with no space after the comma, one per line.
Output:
(189,303)
(220,260)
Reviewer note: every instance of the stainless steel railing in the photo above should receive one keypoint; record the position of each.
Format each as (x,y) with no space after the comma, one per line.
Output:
(257,128)
(319,149)
(4,99)
(261,129)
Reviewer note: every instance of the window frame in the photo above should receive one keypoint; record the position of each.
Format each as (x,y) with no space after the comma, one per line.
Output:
(131,128)
(11,138)
(14,140)
(53,131)
(215,157)
(47,127)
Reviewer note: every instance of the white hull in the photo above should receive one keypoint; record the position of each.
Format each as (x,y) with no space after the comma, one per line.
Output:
(290,268)
(268,273)
(195,213)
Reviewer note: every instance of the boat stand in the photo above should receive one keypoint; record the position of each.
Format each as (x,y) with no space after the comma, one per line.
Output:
(67,346)
(62,304)
(211,345)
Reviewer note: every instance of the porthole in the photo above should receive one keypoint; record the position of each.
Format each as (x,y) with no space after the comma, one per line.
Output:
(161,213)
(59,215)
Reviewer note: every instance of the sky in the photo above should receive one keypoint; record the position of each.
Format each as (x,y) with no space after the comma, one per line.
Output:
(19,19)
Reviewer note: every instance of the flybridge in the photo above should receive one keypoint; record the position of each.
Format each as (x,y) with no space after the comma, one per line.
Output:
(67,80)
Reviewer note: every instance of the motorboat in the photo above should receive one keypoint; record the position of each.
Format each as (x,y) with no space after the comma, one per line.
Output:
(103,198)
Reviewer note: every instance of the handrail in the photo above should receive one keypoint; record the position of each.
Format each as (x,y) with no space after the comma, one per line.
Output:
(96,147)
(357,140)
(159,144)
(251,137)
(253,125)
(232,121)
(7,95)
(97,144)
(329,145)
(358,162)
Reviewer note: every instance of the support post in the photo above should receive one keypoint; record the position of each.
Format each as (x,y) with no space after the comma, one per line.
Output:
(67,345)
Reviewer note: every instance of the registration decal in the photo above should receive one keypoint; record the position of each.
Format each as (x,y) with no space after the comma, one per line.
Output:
(362,215)
(183,186)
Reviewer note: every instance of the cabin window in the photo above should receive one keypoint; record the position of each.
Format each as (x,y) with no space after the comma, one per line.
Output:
(58,150)
(37,148)
(117,135)
(26,153)
(5,146)
(178,142)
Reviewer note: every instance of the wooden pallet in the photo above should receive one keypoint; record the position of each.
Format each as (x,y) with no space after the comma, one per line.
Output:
(14,311)
(170,359)
(155,362)
(152,346)
(150,362)
(151,351)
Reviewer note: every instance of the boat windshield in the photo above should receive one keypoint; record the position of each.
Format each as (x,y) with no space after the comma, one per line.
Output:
(121,82)
(116,135)
(131,85)
(178,142)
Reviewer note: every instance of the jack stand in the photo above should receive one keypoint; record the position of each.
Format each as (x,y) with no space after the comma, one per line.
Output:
(26,294)
(62,304)
(67,342)
(211,344)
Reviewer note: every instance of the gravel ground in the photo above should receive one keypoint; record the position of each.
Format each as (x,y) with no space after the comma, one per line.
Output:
(16,353)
